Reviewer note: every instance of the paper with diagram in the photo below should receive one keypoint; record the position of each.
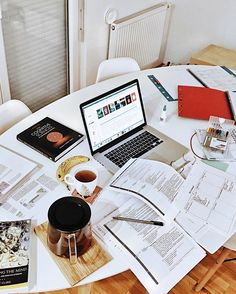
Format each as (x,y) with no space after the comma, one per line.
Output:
(208,207)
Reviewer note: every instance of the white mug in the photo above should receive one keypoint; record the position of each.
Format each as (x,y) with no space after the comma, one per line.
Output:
(83,180)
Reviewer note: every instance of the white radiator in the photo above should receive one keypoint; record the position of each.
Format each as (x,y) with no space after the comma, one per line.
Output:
(141,36)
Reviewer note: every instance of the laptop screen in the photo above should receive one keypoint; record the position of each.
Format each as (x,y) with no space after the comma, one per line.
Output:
(113,115)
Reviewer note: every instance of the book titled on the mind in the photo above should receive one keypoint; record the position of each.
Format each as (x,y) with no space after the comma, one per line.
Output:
(50,138)
(14,254)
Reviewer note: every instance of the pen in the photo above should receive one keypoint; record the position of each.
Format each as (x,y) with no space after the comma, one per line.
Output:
(141,221)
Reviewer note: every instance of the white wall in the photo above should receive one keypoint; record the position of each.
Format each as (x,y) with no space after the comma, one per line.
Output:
(198,23)
(194,24)
(94,50)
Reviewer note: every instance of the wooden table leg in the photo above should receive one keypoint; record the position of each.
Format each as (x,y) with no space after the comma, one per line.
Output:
(224,254)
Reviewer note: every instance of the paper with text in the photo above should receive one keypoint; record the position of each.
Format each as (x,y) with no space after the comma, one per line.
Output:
(153,182)
(158,256)
(215,77)
(38,191)
(208,206)
(14,168)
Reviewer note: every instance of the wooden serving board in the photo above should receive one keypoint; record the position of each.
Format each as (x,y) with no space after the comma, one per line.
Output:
(87,263)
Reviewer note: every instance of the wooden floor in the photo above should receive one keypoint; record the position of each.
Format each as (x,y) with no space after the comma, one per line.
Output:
(224,281)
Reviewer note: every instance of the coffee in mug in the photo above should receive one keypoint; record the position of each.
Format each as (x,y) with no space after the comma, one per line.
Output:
(84,180)
(69,231)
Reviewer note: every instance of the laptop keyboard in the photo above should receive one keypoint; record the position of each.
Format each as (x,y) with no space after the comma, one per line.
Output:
(133,148)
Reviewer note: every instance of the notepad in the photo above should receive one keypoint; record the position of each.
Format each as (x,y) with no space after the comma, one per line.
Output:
(201,103)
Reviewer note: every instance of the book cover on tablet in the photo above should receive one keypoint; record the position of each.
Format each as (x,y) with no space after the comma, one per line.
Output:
(50,138)
(14,254)
(201,103)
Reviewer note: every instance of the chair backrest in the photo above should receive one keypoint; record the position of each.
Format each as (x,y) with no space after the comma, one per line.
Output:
(116,66)
(12,112)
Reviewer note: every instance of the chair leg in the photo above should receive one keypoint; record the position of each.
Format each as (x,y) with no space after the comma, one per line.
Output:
(225,252)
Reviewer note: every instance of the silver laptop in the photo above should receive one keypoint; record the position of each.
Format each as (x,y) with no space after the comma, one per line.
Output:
(116,129)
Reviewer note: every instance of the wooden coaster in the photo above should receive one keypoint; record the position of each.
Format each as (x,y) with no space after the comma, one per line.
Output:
(89,262)
(90,199)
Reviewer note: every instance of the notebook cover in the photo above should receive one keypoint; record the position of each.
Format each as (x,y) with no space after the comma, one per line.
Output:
(201,103)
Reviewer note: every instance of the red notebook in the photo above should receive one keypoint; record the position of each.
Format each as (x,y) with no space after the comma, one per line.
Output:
(201,103)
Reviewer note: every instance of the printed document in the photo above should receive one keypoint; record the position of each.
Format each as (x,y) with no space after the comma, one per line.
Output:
(152,181)
(38,191)
(14,168)
(215,77)
(203,204)
(207,204)
(158,255)
(25,186)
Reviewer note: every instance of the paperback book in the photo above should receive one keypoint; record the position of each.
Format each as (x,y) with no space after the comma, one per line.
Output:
(14,253)
(50,138)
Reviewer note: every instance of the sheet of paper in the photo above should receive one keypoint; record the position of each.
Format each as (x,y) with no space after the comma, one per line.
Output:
(158,256)
(215,77)
(154,182)
(14,168)
(208,207)
(38,191)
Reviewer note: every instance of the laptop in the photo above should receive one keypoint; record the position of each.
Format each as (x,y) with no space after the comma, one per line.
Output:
(116,129)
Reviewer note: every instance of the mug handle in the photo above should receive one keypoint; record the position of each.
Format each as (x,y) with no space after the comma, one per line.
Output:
(72,248)
(67,179)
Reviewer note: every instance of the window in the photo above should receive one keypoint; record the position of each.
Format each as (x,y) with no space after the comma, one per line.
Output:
(35,41)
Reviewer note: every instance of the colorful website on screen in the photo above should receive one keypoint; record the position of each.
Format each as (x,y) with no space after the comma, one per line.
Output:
(114,115)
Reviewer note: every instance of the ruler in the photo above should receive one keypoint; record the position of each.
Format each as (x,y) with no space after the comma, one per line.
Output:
(161,88)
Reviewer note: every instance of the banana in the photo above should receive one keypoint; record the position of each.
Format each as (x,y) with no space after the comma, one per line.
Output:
(66,165)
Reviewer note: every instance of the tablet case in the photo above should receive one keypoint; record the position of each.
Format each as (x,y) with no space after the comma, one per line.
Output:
(201,103)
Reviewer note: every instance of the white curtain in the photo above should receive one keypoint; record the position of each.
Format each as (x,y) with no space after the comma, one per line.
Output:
(35,39)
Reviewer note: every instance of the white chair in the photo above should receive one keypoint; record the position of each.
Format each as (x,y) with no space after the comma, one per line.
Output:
(12,112)
(228,247)
(116,66)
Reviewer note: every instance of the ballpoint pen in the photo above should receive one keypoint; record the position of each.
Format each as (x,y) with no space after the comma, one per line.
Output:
(141,221)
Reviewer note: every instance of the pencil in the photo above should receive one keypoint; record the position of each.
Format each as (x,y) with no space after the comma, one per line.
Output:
(141,221)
